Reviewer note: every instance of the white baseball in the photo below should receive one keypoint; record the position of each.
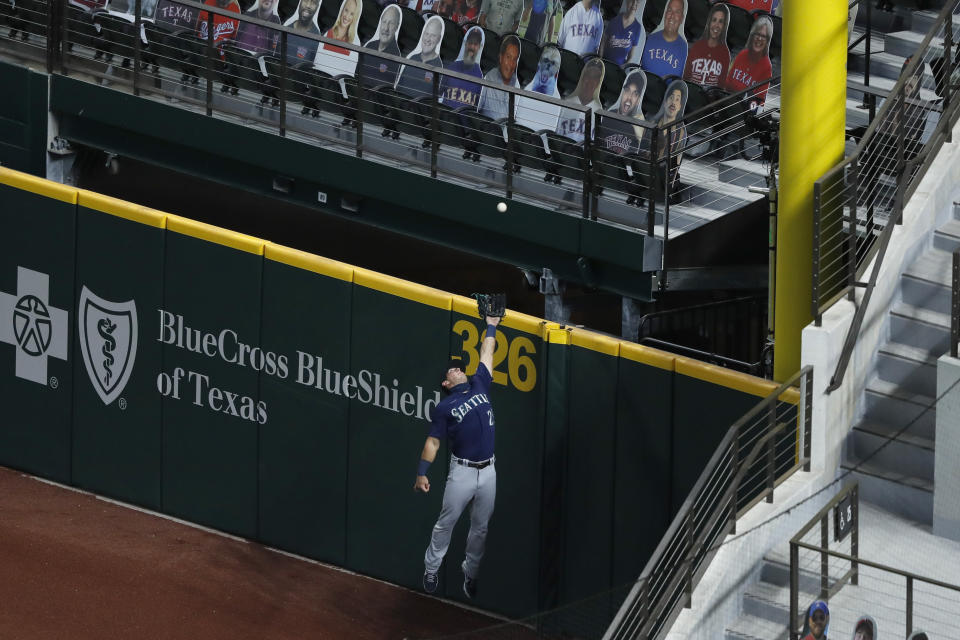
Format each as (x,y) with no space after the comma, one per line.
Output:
(502,207)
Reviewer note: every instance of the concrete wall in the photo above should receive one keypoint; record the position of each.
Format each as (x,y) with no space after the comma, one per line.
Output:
(836,413)
(946,488)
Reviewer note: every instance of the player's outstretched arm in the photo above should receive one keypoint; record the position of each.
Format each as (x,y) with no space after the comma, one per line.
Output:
(428,455)
(489,344)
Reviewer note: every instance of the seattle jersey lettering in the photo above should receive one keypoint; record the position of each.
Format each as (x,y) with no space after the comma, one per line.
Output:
(473,402)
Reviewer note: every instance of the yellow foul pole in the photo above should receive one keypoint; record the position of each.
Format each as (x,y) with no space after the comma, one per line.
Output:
(812,118)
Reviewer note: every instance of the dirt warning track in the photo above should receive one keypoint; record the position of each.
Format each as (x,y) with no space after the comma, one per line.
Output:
(77,566)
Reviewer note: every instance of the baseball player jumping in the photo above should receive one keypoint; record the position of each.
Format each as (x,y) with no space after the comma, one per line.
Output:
(465,418)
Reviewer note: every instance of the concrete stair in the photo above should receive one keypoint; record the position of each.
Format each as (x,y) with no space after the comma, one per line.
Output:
(891,451)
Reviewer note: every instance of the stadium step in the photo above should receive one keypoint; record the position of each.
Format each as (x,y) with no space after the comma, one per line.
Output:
(905,495)
(754,628)
(947,237)
(922,21)
(919,327)
(743,173)
(926,282)
(906,43)
(914,370)
(905,454)
(886,403)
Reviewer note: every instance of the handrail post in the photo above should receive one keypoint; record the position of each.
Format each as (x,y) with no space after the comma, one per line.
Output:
(691,552)
(852,234)
(662,285)
(137,43)
(794,591)
(283,85)
(901,152)
(434,130)
(589,200)
(512,98)
(652,182)
(807,417)
(815,298)
(734,470)
(771,450)
(909,605)
(955,305)
(64,33)
(824,559)
(871,100)
(855,535)
(947,63)
(208,63)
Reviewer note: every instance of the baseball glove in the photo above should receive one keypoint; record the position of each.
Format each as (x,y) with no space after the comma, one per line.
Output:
(493,304)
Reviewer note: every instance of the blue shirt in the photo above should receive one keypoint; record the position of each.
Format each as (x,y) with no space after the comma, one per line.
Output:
(621,40)
(466,419)
(664,58)
(460,93)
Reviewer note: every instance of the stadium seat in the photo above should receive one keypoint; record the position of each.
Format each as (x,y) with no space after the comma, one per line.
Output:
(369,20)
(566,159)
(411,25)
(482,135)
(118,37)
(327,14)
(286,9)
(570,67)
(80,28)
(527,65)
(490,57)
(697,12)
(777,41)
(613,78)
(697,99)
(739,29)
(240,70)
(610,171)
(452,39)
(653,14)
(527,148)
(653,98)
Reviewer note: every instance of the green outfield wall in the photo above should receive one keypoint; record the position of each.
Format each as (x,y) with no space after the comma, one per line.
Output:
(284,397)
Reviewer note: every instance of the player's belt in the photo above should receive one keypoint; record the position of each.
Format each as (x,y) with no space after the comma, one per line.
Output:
(474,465)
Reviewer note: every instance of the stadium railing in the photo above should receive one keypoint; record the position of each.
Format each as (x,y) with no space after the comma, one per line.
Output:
(761,450)
(955,304)
(729,333)
(858,202)
(826,558)
(516,155)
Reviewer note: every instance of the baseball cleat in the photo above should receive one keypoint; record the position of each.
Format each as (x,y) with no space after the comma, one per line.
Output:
(430,582)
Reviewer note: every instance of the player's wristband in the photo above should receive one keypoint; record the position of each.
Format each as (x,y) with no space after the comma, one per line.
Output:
(422,467)
(491,331)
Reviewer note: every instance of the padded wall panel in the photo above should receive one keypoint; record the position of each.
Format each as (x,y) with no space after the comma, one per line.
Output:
(117,427)
(36,332)
(303,446)
(209,442)
(388,525)
(590,488)
(511,563)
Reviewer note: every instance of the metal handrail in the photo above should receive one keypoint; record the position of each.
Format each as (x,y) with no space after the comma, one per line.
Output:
(856,561)
(685,550)
(852,490)
(955,304)
(908,173)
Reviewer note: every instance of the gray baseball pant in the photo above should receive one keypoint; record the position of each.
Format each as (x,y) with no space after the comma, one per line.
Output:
(463,485)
